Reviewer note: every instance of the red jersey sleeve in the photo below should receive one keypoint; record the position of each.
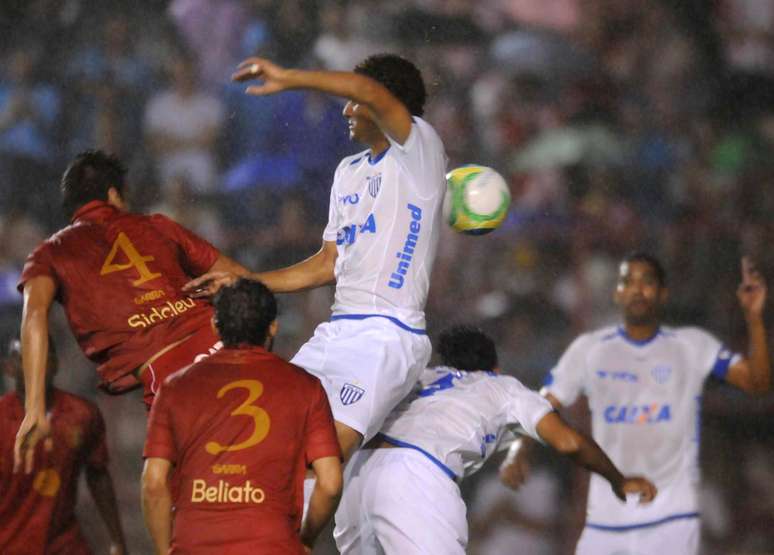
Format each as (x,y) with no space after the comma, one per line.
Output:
(320,440)
(39,263)
(160,441)
(199,254)
(97,451)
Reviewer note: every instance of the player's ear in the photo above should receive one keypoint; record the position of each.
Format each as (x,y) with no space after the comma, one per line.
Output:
(273,329)
(663,295)
(115,198)
(214,324)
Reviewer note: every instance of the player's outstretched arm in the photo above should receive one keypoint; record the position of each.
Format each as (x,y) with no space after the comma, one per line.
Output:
(101,487)
(324,500)
(315,271)
(157,502)
(753,373)
(585,452)
(38,297)
(390,114)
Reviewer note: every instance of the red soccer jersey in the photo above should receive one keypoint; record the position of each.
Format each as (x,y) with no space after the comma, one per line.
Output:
(241,428)
(37,510)
(119,277)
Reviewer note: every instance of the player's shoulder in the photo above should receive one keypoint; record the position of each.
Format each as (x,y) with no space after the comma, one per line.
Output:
(686,334)
(598,336)
(352,161)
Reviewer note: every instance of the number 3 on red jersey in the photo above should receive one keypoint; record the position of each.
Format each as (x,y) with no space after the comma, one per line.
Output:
(136,260)
(260,417)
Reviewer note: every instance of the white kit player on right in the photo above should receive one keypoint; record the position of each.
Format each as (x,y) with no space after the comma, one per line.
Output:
(401,491)
(644,384)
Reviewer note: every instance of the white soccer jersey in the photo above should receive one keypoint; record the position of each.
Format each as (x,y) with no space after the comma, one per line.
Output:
(458,419)
(645,398)
(384,216)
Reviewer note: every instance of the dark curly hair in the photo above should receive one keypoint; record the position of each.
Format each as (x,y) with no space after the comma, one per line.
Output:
(243,313)
(650,260)
(399,76)
(467,348)
(89,177)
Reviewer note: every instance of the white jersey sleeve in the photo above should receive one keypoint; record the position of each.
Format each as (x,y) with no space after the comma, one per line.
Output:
(566,380)
(422,153)
(711,356)
(520,405)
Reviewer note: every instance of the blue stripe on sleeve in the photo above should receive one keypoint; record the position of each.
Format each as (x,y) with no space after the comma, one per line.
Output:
(722,363)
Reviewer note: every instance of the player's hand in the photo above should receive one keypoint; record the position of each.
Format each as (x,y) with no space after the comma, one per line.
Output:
(210,283)
(752,291)
(514,473)
(34,427)
(638,486)
(272,75)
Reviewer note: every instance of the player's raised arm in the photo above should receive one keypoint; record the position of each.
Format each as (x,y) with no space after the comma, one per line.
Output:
(753,372)
(38,297)
(390,114)
(585,452)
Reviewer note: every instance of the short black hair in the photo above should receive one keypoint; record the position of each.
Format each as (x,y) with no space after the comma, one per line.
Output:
(650,260)
(89,177)
(467,348)
(243,313)
(399,76)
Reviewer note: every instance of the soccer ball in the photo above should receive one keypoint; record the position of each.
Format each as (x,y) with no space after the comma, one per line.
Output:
(477,199)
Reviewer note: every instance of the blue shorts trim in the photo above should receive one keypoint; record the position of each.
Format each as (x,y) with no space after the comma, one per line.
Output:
(417,331)
(398,443)
(628,527)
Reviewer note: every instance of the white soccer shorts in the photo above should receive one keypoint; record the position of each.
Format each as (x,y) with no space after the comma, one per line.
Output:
(366,367)
(675,537)
(397,501)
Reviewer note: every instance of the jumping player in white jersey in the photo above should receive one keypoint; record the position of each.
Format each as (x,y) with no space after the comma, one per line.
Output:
(401,493)
(644,383)
(379,244)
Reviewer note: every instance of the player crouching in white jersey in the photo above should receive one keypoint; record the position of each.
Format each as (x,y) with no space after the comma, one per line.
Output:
(401,494)
(644,383)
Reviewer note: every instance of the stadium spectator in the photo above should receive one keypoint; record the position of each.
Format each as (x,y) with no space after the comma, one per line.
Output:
(244,495)
(181,127)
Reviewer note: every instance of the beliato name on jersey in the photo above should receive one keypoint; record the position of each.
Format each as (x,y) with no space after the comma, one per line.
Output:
(224,492)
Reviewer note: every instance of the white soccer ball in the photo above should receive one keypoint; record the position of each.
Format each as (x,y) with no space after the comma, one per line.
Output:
(477,199)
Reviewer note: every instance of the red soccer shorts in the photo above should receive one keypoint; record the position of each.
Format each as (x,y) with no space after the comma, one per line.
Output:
(200,344)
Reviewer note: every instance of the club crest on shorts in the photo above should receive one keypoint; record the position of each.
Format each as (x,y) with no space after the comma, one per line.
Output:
(661,374)
(351,394)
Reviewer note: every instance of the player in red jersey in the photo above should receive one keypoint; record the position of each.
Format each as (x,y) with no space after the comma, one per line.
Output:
(118,276)
(37,511)
(240,429)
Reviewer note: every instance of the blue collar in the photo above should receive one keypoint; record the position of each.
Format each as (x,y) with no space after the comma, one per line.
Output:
(374,161)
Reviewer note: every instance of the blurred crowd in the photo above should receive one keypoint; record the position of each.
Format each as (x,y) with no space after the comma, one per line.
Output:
(619,124)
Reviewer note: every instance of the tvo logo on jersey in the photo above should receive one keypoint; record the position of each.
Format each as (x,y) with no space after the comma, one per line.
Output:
(224,492)
(350,394)
(349,199)
(638,414)
(406,255)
